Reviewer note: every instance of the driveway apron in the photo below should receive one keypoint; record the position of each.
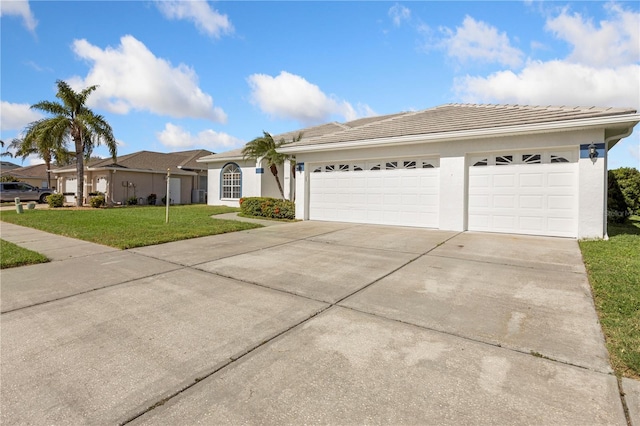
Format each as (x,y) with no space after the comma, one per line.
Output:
(308,322)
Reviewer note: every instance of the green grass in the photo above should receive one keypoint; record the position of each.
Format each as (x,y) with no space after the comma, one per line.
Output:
(12,255)
(614,273)
(129,227)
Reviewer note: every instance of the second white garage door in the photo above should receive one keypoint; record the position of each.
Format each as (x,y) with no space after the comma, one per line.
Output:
(389,192)
(524,193)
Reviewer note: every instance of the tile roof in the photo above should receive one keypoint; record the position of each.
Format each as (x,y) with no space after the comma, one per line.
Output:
(5,165)
(307,133)
(459,117)
(152,161)
(37,171)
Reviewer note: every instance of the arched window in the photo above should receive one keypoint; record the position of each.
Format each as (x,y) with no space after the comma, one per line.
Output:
(231,179)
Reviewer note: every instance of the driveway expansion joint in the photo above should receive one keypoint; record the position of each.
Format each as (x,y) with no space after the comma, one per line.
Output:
(80,293)
(532,353)
(623,400)
(231,360)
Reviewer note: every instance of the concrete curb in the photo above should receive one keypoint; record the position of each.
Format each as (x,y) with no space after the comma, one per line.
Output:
(631,389)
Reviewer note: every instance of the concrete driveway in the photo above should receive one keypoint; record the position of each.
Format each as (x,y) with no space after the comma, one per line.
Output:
(307,322)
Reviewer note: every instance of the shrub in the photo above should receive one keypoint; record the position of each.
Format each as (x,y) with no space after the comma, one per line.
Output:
(628,181)
(268,207)
(132,201)
(55,200)
(151,199)
(97,201)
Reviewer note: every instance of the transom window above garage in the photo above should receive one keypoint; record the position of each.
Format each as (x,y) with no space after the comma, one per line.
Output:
(377,165)
(528,157)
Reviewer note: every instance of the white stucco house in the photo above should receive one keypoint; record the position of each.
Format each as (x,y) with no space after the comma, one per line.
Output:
(494,168)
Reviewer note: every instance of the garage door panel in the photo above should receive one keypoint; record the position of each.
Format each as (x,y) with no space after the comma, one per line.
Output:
(499,221)
(478,201)
(480,180)
(504,201)
(562,180)
(561,202)
(531,202)
(559,224)
(410,182)
(504,180)
(531,180)
(391,195)
(537,199)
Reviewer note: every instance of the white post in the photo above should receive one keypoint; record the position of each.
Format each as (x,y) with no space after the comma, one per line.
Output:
(168,194)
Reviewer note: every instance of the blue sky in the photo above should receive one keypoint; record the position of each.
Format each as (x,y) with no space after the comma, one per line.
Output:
(177,75)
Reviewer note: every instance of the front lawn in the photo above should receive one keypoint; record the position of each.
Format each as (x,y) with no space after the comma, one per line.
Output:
(12,255)
(614,273)
(128,227)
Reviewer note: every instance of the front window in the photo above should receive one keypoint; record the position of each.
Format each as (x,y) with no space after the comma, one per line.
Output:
(231,181)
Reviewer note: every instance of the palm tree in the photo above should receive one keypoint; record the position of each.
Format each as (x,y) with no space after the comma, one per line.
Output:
(72,120)
(265,148)
(42,140)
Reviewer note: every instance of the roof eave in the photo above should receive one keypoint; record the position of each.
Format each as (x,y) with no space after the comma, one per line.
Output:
(629,120)
(220,160)
(114,169)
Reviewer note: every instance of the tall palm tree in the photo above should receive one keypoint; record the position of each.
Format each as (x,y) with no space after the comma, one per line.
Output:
(72,120)
(265,148)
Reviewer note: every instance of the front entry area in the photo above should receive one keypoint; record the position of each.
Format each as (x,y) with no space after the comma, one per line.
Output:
(401,191)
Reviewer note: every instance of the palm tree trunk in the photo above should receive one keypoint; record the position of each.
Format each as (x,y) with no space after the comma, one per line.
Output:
(48,164)
(80,179)
(274,171)
(79,170)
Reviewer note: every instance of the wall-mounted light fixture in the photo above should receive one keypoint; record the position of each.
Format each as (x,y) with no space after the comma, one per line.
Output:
(593,153)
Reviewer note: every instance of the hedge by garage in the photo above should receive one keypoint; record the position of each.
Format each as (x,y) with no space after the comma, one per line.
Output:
(273,208)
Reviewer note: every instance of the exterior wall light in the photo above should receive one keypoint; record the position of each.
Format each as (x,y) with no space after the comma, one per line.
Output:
(593,153)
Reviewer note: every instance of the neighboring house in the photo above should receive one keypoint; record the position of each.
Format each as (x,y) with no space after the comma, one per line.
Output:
(35,175)
(6,165)
(139,175)
(493,168)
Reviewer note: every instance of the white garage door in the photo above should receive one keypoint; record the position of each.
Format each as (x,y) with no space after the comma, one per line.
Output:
(390,192)
(525,193)
(70,188)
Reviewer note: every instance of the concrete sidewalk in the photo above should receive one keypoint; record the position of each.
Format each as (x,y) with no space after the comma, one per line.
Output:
(307,322)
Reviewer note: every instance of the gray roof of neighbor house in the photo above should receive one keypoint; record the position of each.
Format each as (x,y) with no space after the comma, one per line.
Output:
(37,171)
(150,161)
(5,165)
(460,118)
(307,133)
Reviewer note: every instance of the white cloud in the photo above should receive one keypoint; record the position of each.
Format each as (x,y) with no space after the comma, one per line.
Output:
(16,116)
(399,13)
(555,83)
(174,136)
(592,75)
(478,41)
(207,20)
(34,160)
(290,96)
(613,42)
(19,8)
(132,77)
